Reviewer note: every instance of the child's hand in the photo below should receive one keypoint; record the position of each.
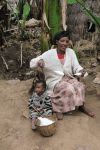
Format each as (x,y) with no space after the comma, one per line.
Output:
(39,109)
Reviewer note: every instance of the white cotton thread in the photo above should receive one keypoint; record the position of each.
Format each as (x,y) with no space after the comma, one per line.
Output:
(45,121)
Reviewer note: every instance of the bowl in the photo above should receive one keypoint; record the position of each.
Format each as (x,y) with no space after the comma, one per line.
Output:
(47,130)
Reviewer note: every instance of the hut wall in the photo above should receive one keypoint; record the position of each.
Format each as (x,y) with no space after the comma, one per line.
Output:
(77,20)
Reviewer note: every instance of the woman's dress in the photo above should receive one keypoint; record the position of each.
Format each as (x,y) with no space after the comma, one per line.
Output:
(67,93)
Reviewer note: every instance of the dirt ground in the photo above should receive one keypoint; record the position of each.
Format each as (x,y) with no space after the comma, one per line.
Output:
(76,131)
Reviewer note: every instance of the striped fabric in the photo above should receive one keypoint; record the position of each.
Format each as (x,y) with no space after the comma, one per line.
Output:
(39,101)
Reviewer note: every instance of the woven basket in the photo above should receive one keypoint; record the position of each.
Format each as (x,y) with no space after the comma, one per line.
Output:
(48,130)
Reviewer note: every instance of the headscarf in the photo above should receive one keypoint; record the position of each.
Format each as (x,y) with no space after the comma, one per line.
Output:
(59,35)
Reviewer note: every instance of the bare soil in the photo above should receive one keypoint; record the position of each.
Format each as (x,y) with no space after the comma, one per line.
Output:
(76,131)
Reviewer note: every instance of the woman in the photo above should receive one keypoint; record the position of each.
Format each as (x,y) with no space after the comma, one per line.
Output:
(59,66)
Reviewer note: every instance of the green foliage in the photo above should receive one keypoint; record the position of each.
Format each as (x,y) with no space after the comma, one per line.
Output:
(76,54)
(26,35)
(25,14)
(95,19)
(71,1)
(26,10)
(15,11)
(54,17)
(45,43)
(31,1)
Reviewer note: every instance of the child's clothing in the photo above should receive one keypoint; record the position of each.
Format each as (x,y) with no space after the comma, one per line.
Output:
(40,101)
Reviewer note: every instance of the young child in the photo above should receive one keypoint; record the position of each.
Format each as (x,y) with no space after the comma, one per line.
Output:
(39,101)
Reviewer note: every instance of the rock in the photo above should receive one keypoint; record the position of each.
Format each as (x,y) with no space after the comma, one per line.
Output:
(32,23)
(89,71)
(90,90)
(10,62)
(13,81)
(98,57)
(96,80)
(36,147)
(25,114)
(30,73)
(98,75)
(94,65)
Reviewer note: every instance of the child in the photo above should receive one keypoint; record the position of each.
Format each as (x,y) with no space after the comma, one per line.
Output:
(39,101)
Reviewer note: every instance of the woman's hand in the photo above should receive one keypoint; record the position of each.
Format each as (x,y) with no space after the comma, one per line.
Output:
(82,72)
(41,63)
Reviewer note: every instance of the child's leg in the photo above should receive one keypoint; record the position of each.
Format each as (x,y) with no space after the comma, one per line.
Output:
(33,123)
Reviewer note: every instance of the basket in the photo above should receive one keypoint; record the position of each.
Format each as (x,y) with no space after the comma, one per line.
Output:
(47,130)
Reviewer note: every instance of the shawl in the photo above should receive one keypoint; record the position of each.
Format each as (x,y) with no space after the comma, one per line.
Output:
(53,64)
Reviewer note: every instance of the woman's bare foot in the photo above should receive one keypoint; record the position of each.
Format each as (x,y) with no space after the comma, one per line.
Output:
(59,116)
(86,111)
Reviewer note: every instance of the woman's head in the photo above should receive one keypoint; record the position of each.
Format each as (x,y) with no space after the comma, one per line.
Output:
(61,39)
(59,35)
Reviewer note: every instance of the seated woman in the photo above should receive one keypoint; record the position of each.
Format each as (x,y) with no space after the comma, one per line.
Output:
(59,66)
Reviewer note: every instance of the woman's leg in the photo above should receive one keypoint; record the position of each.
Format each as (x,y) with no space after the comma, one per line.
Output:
(86,111)
(33,123)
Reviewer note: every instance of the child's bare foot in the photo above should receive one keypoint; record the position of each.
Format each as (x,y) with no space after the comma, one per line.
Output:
(33,127)
(86,111)
(59,116)
(33,123)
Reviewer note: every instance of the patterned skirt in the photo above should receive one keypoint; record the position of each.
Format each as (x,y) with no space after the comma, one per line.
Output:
(67,94)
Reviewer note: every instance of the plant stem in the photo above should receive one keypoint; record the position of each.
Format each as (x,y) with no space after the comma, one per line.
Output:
(12,9)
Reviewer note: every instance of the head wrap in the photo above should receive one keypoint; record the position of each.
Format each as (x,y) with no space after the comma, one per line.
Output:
(59,35)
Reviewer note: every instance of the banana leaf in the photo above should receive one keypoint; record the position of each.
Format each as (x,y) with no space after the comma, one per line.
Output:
(52,16)
(25,13)
(76,54)
(95,19)
(71,1)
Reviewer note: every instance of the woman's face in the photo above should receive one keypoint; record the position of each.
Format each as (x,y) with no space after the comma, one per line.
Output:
(62,43)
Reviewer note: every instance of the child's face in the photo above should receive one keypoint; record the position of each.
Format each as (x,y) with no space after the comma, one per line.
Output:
(39,89)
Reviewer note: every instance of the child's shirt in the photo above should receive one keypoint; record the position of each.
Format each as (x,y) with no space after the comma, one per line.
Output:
(40,101)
